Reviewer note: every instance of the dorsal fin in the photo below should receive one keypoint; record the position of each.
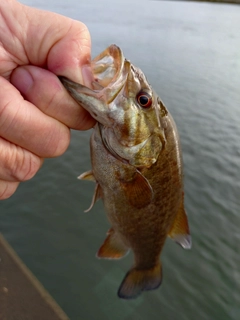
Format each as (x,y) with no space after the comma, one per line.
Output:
(179,231)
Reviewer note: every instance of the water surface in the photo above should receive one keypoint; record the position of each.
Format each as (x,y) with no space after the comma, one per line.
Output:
(190,53)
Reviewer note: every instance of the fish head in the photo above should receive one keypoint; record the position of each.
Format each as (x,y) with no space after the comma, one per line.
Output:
(126,107)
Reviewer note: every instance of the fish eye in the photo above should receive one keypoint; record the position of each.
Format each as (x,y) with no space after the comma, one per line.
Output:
(144,99)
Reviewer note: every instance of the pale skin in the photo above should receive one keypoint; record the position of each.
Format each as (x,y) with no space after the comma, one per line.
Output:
(36,112)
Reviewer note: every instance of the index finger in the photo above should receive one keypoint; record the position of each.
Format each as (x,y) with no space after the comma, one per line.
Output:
(25,125)
(44,39)
(63,44)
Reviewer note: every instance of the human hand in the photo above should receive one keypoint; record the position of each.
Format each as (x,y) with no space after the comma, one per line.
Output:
(35,110)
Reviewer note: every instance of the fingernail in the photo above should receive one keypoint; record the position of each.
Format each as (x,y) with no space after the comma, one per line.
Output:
(22,80)
(87,75)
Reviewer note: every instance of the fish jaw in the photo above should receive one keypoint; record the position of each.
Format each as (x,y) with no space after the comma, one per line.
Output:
(109,73)
(88,99)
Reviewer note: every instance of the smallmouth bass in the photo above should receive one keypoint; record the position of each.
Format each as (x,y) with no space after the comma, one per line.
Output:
(137,166)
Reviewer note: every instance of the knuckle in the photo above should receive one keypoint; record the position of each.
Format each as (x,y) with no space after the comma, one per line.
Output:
(9,108)
(17,164)
(59,142)
(51,101)
(7,189)
(5,110)
(25,166)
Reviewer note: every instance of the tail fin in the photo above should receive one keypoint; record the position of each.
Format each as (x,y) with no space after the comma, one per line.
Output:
(137,281)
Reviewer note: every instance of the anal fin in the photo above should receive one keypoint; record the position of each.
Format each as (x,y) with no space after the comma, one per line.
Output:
(113,247)
(179,231)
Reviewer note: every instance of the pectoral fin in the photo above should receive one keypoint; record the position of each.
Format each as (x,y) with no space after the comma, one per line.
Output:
(180,229)
(97,195)
(138,190)
(113,247)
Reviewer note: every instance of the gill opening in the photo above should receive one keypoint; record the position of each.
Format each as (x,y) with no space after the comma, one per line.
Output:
(108,147)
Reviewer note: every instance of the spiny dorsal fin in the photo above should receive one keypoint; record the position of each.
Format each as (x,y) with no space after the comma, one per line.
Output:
(138,190)
(180,229)
(88,175)
(138,280)
(97,195)
(113,247)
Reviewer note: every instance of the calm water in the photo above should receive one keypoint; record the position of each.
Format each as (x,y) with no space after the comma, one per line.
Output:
(190,53)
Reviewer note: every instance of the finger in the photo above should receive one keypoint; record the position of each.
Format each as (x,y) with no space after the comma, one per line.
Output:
(73,52)
(43,89)
(45,39)
(26,126)
(17,164)
(7,189)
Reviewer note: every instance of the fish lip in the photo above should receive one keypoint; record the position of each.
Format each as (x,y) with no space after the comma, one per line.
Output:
(67,83)
(108,60)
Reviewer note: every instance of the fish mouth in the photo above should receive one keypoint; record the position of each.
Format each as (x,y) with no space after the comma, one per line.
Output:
(110,72)
(107,66)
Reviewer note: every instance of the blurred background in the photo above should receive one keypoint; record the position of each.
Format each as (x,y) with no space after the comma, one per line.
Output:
(190,53)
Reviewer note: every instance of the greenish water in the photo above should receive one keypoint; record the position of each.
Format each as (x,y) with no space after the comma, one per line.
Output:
(190,53)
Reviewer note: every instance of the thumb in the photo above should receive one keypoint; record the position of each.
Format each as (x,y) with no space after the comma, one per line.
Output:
(70,56)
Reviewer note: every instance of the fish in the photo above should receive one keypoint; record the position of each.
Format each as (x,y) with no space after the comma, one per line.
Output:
(136,166)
